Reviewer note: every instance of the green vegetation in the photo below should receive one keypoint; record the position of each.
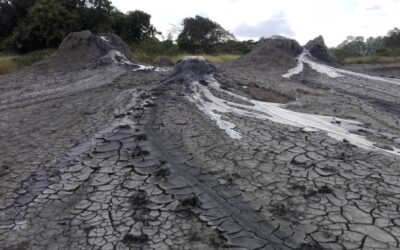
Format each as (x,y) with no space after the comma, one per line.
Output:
(31,29)
(201,34)
(7,64)
(28,25)
(384,49)
(10,63)
(371,59)
(151,50)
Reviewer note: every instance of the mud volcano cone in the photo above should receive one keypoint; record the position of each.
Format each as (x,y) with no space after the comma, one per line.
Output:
(274,52)
(193,67)
(85,49)
(320,51)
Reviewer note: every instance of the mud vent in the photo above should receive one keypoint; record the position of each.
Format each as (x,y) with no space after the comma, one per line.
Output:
(138,152)
(139,199)
(190,202)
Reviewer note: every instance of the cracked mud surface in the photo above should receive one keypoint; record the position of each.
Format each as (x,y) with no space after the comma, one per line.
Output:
(109,158)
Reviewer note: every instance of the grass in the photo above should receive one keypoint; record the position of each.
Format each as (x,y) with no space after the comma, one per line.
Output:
(147,58)
(7,64)
(13,62)
(372,59)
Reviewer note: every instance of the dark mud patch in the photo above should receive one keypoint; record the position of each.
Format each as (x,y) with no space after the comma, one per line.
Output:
(138,152)
(268,95)
(132,240)
(139,200)
(162,172)
(310,246)
(325,190)
(190,202)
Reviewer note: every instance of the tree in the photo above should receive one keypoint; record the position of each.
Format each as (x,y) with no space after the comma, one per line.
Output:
(85,4)
(134,26)
(47,23)
(11,13)
(7,19)
(392,40)
(201,34)
(93,15)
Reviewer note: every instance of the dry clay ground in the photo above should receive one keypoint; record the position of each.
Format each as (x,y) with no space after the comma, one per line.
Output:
(120,156)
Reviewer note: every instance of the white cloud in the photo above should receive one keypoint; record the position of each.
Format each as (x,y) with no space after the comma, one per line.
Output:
(304,20)
(276,25)
(374,7)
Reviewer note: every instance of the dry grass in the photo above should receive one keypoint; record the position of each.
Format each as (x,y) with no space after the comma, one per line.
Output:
(11,63)
(7,64)
(372,59)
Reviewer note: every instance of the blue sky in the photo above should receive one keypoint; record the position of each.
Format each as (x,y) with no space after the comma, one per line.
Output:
(302,20)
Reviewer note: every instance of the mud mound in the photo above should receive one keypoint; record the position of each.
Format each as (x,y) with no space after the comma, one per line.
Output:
(275,51)
(85,49)
(194,67)
(320,51)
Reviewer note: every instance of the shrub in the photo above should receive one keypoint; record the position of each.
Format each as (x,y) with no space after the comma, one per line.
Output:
(32,57)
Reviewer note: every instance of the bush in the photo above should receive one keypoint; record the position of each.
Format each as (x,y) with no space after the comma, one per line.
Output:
(32,57)
(150,49)
(201,34)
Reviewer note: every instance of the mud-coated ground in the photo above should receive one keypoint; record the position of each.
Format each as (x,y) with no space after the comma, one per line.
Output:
(112,158)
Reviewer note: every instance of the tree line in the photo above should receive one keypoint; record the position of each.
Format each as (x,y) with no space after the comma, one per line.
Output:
(28,25)
(358,46)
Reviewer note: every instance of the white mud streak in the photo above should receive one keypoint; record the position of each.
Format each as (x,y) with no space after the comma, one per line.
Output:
(332,72)
(214,107)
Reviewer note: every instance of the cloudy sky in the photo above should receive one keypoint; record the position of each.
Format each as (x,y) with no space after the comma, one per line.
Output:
(302,20)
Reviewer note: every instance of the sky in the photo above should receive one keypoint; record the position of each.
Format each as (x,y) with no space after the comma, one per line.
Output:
(302,20)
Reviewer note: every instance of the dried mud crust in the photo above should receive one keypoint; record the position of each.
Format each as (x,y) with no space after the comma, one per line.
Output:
(146,169)
(307,188)
(35,131)
(110,196)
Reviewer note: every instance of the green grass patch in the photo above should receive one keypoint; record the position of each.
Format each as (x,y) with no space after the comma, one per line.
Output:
(152,50)
(372,59)
(13,62)
(32,57)
(7,64)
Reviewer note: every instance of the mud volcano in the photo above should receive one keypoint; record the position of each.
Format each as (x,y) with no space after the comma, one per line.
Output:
(320,51)
(85,49)
(275,52)
(194,67)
